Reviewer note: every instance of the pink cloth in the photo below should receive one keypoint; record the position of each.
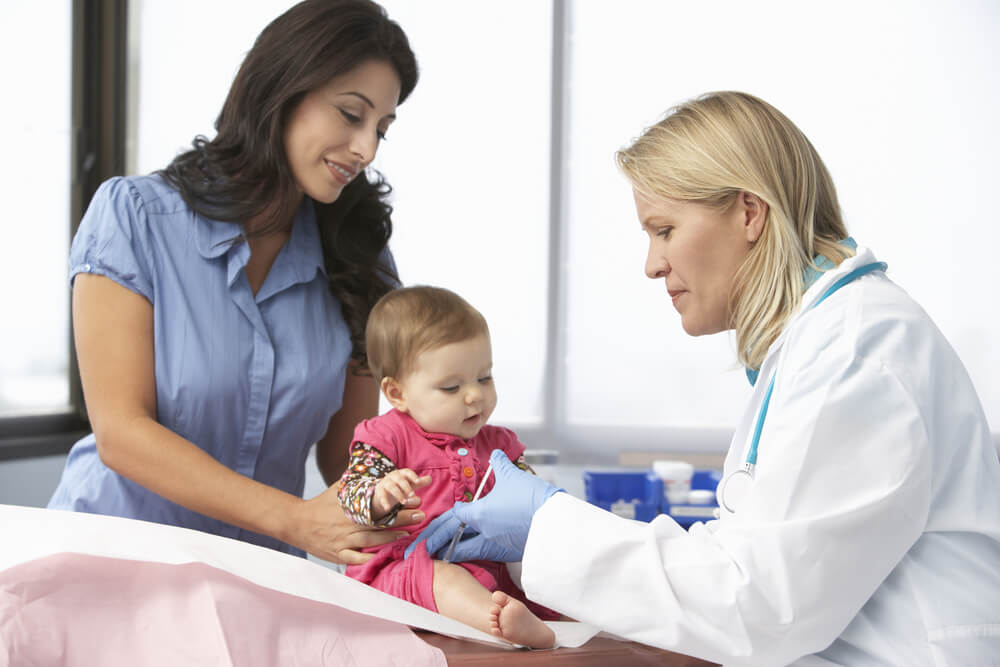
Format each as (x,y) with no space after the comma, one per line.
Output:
(80,610)
(455,476)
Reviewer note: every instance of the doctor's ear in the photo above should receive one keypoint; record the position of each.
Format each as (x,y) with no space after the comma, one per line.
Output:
(393,393)
(753,210)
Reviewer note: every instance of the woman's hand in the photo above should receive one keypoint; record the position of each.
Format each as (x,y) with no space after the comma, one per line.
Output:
(320,527)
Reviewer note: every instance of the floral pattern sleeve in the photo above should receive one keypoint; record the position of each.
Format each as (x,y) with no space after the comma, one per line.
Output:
(523,465)
(357,486)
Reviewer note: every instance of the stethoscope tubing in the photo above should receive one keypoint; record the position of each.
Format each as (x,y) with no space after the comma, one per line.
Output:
(747,469)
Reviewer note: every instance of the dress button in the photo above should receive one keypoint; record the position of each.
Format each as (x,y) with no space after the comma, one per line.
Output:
(468,472)
(463,451)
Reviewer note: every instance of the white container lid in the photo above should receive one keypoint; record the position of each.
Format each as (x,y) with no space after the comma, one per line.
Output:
(701,497)
(673,469)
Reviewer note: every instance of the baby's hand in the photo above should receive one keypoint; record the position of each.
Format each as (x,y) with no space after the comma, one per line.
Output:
(397,488)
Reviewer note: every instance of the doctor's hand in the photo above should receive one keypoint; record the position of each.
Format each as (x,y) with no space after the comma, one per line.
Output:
(319,526)
(497,525)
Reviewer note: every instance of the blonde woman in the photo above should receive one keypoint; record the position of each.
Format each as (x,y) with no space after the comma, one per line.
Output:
(867,531)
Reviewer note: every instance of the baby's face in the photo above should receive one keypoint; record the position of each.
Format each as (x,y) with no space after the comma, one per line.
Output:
(450,389)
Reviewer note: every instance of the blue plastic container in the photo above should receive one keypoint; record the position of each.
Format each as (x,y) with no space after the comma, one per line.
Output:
(630,494)
(638,494)
(706,479)
(690,513)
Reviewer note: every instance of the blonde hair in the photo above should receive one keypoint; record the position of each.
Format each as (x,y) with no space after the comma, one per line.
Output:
(712,148)
(411,320)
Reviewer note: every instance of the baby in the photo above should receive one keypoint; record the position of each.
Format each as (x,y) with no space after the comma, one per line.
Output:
(430,351)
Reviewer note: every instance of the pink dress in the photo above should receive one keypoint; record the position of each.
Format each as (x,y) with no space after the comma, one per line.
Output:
(456,467)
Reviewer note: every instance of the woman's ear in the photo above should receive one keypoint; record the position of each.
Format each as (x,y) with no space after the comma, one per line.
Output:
(393,393)
(754,215)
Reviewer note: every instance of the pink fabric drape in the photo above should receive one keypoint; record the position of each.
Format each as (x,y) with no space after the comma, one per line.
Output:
(81,610)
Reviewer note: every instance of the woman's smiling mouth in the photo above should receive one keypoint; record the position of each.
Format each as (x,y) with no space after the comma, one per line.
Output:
(342,173)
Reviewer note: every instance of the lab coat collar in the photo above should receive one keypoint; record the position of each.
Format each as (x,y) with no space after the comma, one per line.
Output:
(824,264)
(822,282)
(862,256)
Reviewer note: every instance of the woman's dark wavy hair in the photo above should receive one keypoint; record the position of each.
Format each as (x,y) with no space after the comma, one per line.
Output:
(243,172)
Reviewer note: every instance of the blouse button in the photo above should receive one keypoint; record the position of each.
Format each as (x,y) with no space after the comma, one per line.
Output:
(468,472)
(463,451)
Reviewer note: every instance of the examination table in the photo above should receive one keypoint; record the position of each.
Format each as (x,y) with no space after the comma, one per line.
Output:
(84,589)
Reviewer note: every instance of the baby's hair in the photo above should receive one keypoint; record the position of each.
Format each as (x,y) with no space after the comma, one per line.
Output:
(411,320)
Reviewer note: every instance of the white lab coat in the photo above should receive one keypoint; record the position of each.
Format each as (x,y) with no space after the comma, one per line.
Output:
(871,534)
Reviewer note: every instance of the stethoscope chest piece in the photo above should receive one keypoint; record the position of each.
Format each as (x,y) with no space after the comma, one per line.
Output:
(735,487)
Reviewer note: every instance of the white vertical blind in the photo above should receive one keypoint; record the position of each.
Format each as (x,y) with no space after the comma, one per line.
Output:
(35,173)
(469,162)
(183,55)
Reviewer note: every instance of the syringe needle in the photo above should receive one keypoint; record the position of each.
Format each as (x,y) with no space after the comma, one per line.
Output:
(461,527)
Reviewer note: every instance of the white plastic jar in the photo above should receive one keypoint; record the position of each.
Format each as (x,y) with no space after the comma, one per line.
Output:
(676,476)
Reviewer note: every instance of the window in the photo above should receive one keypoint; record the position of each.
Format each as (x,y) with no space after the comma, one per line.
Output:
(62,120)
(900,101)
(536,227)
(36,116)
(469,162)
(471,156)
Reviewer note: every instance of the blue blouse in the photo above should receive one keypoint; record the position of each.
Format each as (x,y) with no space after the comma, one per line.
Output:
(251,379)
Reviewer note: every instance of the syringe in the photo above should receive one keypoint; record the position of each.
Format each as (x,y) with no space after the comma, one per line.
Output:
(461,527)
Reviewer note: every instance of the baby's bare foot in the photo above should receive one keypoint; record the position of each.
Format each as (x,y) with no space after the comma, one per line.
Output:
(511,620)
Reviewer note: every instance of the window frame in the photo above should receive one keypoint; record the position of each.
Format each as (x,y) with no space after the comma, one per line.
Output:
(101,41)
(98,100)
(576,444)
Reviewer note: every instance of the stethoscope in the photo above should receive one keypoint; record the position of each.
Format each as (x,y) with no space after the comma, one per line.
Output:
(737,483)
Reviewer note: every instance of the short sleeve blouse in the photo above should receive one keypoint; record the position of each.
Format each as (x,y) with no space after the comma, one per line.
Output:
(251,379)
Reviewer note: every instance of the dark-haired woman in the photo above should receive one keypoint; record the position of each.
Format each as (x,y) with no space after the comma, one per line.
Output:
(219,305)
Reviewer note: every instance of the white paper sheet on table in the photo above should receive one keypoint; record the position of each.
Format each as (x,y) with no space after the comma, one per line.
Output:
(31,533)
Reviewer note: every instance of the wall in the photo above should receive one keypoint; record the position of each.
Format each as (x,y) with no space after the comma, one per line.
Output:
(29,481)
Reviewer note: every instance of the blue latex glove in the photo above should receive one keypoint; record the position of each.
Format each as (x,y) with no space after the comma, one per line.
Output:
(471,546)
(496,526)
